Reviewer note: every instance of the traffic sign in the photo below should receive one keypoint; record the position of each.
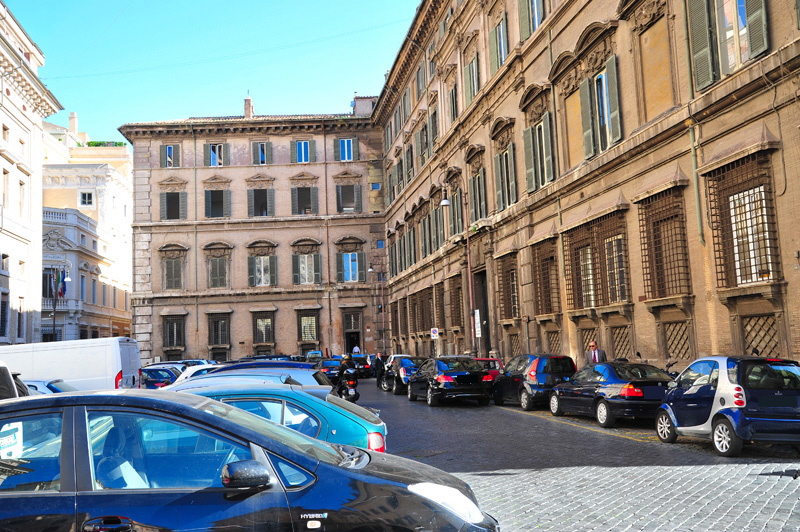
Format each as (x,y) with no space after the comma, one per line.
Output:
(435,333)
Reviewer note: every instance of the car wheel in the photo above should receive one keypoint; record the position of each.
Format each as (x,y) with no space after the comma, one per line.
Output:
(431,399)
(397,389)
(526,401)
(603,414)
(498,400)
(386,384)
(665,430)
(555,405)
(411,395)
(725,440)
(483,401)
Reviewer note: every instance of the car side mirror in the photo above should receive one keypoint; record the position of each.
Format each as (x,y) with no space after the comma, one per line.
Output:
(246,474)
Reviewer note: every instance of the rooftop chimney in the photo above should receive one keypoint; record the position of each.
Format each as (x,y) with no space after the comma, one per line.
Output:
(248,107)
(73,123)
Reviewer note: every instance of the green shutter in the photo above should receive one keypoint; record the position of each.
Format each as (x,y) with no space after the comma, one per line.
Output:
(295,269)
(312,151)
(163,204)
(182,200)
(293,149)
(528,143)
(525,25)
(362,263)
(251,202)
(494,52)
(512,173)
(317,268)
(268,149)
(614,113)
(176,155)
(357,194)
(162,157)
(314,200)
(757,37)
(339,267)
(338,198)
(295,207)
(481,203)
(337,151)
(547,150)
(251,271)
(356,155)
(270,202)
(473,185)
(208,203)
(701,40)
(273,270)
(467,87)
(226,203)
(587,119)
(498,182)
(254,148)
(226,154)
(206,155)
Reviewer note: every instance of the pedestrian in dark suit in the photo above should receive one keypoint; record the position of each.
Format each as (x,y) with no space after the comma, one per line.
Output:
(380,368)
(594,354)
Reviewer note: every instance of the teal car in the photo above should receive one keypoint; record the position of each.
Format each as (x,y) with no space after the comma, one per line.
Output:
(333,420)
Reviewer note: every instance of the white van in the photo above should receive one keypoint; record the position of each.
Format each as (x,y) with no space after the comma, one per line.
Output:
(94,364)
(10,385)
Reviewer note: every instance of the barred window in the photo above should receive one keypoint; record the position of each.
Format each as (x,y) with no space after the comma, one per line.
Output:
(403,311)
(425,305)
(438,292)
(456,302)
(509,290)
(662,225)
(308,326)
(263,327)
(174,331)
(395,313)
(597,264)
(545,277)
(219,330)
(351,321)
(743,222)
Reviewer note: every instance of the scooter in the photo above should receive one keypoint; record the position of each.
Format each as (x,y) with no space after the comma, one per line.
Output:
(347,386)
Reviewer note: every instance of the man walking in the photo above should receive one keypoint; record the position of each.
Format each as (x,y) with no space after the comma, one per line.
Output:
(380,368)
(594,354)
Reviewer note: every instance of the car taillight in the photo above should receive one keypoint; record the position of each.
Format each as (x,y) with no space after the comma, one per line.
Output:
(118,380)
(444,378)
(375,442)
(532,372)
(738,396)
(629,390)
(403,372)
(488,377)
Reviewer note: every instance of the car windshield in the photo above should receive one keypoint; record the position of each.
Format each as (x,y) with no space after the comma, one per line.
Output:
(770,375)
(630,372)
(290,438)
(460,364)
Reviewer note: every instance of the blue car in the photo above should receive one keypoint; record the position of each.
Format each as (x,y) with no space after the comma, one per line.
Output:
(732,400)
(608,391)
(334,420)
(395,376)
(152,378)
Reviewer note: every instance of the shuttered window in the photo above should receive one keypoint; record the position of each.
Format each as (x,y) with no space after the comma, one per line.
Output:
(600,111)
(538,154)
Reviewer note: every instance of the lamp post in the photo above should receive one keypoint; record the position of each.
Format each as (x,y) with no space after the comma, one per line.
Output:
(464,222)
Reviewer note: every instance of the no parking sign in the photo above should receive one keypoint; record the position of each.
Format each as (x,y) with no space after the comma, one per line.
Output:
(435,333)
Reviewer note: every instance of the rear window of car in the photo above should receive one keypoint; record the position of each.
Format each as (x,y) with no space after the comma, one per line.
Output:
(160,374)
(557,365)
(354,409)
(490,364)
(641,371)
(455,364)
(769,375)
(406,362)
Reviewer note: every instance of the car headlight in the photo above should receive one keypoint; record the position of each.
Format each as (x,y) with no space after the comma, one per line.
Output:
(450,498)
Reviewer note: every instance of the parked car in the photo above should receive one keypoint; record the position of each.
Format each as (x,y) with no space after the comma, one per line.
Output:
(493,365)
(312,380)
(51,386)
(10,384)
(197,361)
(732,400)
(196,370)
(148,460)
(529,379)
(330,367)
(177,367)
(450,377)
(363,367)
(334,420)
(151,378)
(395,376)
(611,390)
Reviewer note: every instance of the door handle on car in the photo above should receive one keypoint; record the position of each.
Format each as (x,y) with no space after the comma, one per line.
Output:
(108,523)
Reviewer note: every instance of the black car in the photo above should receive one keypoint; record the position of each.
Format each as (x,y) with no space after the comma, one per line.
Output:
(529,379)
(395,376)
(330,367)
(363,368)
(451,377)
(145,460)
(611,390)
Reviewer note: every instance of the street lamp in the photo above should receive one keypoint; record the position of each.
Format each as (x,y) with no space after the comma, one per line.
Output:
(464,222)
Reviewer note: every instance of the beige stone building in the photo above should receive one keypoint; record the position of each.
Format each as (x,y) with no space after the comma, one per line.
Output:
(620,171)
(24,103)
(257,234)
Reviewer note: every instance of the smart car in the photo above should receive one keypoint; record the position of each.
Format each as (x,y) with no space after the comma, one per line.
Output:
(732,400)
(153,460)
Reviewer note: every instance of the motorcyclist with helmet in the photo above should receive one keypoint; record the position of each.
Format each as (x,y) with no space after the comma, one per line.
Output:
(347,363)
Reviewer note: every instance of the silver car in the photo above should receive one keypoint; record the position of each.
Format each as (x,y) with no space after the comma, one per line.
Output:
(733,400)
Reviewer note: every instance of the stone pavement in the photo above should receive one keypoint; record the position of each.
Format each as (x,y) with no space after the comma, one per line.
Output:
(763,495)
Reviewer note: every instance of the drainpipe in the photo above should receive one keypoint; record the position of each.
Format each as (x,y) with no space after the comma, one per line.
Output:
(327,235)
(194,250)
(692,135)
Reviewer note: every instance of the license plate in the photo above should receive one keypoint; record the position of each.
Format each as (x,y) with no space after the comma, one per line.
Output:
(777,400)
(351,391)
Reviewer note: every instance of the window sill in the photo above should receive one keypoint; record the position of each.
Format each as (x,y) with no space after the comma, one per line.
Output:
(510,322)
(770,290)
(682,302)
(544,318)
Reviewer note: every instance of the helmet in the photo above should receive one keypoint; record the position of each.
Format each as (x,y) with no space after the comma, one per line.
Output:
(346,356)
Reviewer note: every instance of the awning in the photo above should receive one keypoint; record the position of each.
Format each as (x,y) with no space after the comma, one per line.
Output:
(352,304)
(543,232)
(596,208)
(174,311)
(219,310)
(312,306)
(751,140)
(659,181)
(508,250)
(263,308)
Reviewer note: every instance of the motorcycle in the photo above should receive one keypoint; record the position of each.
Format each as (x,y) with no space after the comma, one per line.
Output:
(346,389)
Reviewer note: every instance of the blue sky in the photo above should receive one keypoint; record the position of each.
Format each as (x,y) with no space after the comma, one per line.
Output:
(146,60)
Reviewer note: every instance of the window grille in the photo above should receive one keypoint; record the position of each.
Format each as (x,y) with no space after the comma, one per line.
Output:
(352,321)
(219,330)
(554,342)
(263,327)
(677,339)
(456,302)
(516,347)
(588,336)
(404,316)
(597,264)
(438,291)
(621,338)
(545,276)
(413,314)
(662,226)
(743,222)
(761,332)
(395,314)
(509,291)
(308,326)
(174,331)
(425,302)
